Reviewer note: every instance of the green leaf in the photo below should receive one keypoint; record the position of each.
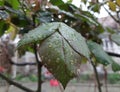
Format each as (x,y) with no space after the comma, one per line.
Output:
(99,53)
(3,27)
(61,49)
(59,58)
(57,3)
(2,2)
(76,41)
(95,7)
(115,67)
(14,3)
(116,38)
(38,34)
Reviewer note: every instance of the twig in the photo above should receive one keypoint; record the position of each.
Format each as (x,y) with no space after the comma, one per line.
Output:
(39,67)
(113,54)
(15,83)
(96,75)
(23,64)
(112,15)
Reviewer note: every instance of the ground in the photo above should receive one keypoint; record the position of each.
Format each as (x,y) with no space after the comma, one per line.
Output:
(74,87)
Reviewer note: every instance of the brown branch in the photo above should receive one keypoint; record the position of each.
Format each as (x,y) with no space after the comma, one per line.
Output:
(15,83)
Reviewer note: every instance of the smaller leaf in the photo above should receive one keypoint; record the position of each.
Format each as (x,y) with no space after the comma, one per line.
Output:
(115,67)
(99,53)
(14,3)
(95,8)
(112,5)
(59,2)
(116,38)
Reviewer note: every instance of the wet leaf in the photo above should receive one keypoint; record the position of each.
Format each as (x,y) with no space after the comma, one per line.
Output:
(76,41)
(61,49)
(59,58)
(38,34)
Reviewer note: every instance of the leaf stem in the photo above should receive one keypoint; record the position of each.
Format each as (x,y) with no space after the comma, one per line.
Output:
(39,68)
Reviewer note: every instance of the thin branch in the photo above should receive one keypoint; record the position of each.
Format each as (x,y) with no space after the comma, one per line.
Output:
(96,75)
(111,15)
(39,68)
(113,54)
(22,64)
(15,83)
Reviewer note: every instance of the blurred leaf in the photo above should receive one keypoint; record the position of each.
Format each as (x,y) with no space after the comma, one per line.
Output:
(112,5)
(61,48)
(118,2)
(110,30)
(115,67)
(1,2)
(99,53)
(86,19)
(69,1)
(14,3)
(59,2)
(45,17)
(116,38)
(84,1)
(3,27)
(95,7)
(12,30)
